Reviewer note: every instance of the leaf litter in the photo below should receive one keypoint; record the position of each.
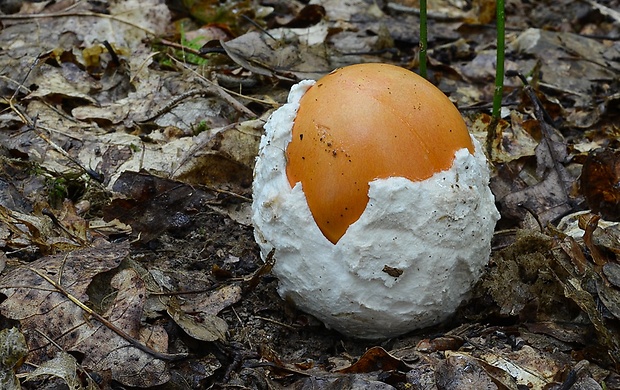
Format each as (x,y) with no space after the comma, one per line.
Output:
(130,130)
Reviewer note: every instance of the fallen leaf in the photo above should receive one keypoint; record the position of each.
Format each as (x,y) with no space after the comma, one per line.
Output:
(152,205)
(45,313)
(63,366)
(376,359)
(600,182)
(263,55)
(214,301)
(199,325)
(462,372)
(528,366)
(443,343)
(13,351)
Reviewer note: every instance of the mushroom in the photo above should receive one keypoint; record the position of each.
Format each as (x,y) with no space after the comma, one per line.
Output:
(375,199)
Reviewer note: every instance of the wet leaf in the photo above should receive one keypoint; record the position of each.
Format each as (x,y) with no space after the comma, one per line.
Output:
(576,288)
(612,272)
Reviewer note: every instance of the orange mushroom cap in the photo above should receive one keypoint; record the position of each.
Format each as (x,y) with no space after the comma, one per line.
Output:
(365,122)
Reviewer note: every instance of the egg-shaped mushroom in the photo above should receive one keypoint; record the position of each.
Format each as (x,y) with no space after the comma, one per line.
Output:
(376,201)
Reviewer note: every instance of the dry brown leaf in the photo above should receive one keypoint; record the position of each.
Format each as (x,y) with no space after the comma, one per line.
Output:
(599,182)
(213,302)
(589,61)
(547,192)
(63,366)
(46,314)
(527,365)
(199,325)
(375,359)
(576,289)
(263,55)
(462,372)
(513,141)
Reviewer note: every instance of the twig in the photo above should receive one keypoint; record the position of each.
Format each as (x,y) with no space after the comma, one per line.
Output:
(133,342)
(98,177)
(276,322)
(218,90)
(173,103)
(210,85)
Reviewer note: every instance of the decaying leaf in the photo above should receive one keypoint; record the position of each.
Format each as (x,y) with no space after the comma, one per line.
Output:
(600,182)
(48,314)
(63,366)
(545,191)
(375,359)
(199,325)
(152,205)
(197,314)
(526,365)
(13,351)
(551,47)
(513,140)
(582,289)
(214,301)
(520,276)
(263,55)
(442,343)
(461,372)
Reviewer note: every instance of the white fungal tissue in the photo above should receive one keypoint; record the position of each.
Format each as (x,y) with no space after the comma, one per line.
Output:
(408,262)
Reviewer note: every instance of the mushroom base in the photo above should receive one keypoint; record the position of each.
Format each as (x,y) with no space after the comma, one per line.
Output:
(408,262)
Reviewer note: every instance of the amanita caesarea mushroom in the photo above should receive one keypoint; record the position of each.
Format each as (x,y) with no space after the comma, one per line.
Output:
(376,201)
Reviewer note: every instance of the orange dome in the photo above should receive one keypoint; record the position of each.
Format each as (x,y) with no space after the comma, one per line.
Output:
(366,122)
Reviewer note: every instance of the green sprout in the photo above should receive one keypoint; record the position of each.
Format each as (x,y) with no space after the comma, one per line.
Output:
(194,44)
(200,127)
(499,77)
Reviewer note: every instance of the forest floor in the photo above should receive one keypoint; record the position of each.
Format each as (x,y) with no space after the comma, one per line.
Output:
(129,131)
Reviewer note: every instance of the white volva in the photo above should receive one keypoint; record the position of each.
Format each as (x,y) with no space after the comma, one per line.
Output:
(437,232)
